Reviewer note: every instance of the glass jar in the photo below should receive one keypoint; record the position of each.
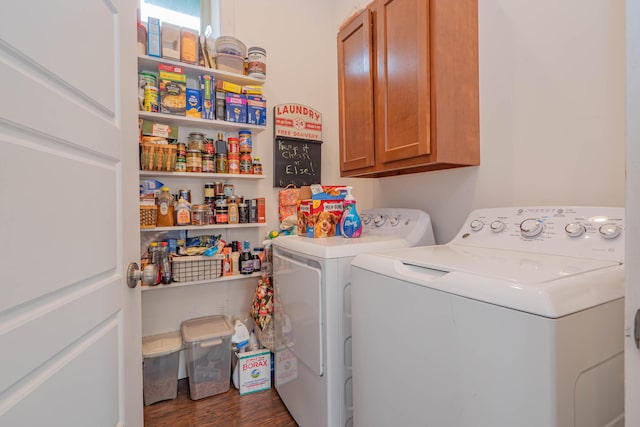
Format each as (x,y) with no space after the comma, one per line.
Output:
(195,141)
(233,163)
(222,165)
(194,161)
(246,163)
(243,213)
(208,165)
(257,166)
(234,146)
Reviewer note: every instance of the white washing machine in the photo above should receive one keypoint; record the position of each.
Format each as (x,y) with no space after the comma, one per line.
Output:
(518,321)
(312,312)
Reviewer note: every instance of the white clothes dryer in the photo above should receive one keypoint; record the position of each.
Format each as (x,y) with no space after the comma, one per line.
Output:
(312,291)
(518,321)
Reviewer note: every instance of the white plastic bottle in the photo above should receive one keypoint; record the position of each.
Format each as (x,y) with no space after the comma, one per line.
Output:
(350,223)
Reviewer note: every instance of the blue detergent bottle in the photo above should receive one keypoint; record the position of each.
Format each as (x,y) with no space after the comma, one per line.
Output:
(350,223)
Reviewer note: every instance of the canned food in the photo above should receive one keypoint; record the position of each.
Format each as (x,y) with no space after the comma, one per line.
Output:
(257,62)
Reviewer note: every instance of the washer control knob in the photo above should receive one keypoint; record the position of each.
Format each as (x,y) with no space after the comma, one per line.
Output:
(574,229)
(497,226)
(366,219)
(476,225)
(394,220)
(609,231)
(379,220)
(531,227)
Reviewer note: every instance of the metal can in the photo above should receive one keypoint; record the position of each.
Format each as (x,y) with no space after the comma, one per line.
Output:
(194,161)
(208,165)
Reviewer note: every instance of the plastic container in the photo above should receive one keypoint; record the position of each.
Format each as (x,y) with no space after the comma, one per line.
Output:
(161,355)
(208,355)
(230,63)
(257,58)
(231,46)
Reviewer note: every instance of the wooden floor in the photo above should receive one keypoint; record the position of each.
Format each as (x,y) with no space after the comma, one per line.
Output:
(228,409)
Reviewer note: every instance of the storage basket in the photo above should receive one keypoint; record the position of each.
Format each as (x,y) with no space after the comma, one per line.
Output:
(158,157)
(148,216)
(196,268)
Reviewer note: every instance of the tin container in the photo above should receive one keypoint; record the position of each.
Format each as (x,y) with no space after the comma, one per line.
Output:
(257,62)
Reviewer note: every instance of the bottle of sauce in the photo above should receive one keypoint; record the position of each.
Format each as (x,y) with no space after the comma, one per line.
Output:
(165,264)
(165,208)
(246,262)
(183,212)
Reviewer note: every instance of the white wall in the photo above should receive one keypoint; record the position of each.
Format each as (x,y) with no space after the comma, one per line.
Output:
(551,103)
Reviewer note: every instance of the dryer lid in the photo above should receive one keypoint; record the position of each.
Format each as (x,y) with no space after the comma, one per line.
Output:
(512,266)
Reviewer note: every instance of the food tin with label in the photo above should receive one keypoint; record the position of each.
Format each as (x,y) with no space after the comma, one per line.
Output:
(257,62)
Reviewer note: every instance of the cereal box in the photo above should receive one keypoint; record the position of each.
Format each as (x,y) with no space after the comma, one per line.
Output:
(236,108)
(256,110)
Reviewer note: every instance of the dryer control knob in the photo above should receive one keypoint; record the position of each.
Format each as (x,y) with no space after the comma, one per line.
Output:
(378,220)
(366,219)
(394,220)
(531,227)
(497,226)
(609,231)
(574,229)
(476,225)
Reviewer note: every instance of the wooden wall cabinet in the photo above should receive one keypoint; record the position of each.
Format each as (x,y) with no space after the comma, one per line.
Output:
(408,88)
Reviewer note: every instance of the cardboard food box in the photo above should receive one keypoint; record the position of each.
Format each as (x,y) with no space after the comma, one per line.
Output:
(194,104)
(153,37)
(162,130)
(173,88)
(207,96)
(254,371)
(319,218)
(256,110)
(236,107)
(328,192)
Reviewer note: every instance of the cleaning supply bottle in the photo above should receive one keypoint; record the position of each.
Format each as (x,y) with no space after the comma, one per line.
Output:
(350,223)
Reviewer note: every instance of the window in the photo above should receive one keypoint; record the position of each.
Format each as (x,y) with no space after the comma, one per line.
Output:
(185,13)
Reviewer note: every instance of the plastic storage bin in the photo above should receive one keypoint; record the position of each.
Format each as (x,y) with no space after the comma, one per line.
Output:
(160,366)
(208,356)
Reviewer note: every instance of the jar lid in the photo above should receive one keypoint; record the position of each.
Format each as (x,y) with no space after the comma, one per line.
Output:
(233,140)
(196,135)
(256,158)
(257,49)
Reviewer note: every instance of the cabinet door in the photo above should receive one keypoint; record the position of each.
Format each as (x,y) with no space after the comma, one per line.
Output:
(355,92)
(403,116)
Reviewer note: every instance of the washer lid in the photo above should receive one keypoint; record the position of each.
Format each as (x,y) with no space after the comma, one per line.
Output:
(545,285)
(338,247)
(516,267)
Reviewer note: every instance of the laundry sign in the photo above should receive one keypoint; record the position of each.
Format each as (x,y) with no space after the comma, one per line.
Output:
(297,121)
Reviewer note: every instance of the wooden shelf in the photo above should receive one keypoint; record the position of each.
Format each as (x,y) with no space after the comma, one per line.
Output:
(201,282)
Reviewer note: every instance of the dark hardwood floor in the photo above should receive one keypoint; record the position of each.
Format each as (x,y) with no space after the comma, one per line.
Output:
(228,409)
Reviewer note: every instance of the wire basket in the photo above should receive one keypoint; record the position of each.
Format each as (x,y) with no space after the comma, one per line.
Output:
(196,268)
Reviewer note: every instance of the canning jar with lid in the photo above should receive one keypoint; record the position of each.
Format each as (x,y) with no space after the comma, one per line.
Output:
(195,141)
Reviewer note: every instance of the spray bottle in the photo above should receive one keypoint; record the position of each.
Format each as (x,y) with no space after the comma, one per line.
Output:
(350,224)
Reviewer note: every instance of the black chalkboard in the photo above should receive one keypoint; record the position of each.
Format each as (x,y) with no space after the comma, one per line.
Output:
(296,162)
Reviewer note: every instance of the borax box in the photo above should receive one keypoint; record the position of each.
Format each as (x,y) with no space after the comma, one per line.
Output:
(254,371)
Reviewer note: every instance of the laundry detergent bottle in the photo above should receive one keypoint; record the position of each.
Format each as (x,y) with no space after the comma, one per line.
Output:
(350,223)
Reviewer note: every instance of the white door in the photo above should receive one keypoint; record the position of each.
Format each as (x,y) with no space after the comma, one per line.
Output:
(69,326)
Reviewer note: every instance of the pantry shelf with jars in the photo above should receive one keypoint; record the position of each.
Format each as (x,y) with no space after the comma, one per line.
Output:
(196,129)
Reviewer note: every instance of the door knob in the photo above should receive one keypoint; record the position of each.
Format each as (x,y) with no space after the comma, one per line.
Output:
(148,275)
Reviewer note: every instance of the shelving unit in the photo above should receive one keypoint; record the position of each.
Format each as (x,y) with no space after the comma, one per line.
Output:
(201,282)
(204,227)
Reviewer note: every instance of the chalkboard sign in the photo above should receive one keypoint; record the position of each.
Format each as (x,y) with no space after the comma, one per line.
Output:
(296,162)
